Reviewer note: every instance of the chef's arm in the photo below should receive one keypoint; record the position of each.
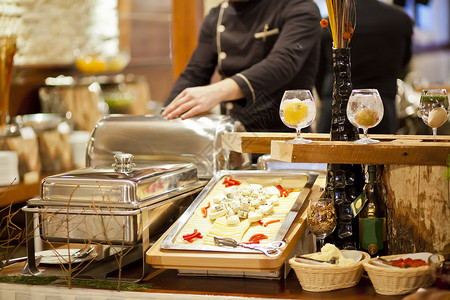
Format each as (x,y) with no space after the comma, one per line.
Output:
(200,99)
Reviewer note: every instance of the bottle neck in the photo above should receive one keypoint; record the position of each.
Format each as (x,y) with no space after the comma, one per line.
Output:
(371,204)
(372,170)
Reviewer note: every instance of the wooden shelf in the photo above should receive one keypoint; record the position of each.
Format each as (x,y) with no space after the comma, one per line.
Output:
(19,193)
(393,149)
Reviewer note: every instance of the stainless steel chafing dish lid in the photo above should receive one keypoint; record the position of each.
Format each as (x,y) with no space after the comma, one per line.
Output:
(150,139)
(123,186)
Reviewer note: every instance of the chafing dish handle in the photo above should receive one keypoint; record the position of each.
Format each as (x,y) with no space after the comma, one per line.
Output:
(80,211)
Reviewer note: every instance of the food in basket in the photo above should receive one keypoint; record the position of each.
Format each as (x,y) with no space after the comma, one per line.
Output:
(240,208)
(389,280)
(408,262)
(329,252)
(322,277)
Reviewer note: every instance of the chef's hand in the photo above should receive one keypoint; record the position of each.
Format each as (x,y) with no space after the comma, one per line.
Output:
(197,100)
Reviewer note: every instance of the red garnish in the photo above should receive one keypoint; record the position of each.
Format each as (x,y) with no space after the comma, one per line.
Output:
(257,237)
(284,192)
(261,222)
(229,181)
(408,262)
(271,221)
(205,210)
(190,237)
(347,35)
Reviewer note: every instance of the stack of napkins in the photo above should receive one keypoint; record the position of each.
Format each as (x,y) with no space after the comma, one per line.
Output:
(9,166)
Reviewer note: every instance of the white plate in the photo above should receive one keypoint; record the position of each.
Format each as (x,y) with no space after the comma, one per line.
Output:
(59,256)
(420,255)
(353,254)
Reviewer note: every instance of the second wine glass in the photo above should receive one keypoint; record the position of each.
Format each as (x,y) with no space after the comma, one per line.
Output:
(321,218)
(434,108)
(365,110)
(297,110)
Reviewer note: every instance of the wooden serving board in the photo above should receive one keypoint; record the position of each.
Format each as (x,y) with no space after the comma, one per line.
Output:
(393,149)
(229,261)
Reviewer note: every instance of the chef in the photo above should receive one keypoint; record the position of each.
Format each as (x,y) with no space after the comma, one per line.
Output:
(260,48)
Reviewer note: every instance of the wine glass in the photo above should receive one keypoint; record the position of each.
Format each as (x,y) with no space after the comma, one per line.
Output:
(434,108)
(7,51)
(297,110)
(321,218)
(439,264)
(365,110)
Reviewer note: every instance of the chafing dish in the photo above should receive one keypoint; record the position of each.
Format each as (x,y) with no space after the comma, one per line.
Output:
(111,205)
(153,139)
(122,207)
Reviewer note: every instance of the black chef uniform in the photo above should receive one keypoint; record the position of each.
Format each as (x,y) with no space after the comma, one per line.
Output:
(266,47)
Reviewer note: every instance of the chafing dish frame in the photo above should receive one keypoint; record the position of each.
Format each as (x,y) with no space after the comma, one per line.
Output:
(100,270)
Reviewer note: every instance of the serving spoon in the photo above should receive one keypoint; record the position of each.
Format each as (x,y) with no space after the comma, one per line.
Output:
(332,260)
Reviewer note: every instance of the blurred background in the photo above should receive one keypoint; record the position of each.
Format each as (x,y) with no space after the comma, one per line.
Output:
(146,43)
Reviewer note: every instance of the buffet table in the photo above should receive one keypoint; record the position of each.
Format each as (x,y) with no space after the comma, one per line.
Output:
(168,285)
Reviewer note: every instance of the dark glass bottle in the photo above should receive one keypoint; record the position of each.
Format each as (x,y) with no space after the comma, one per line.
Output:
(372,218)
(344,181)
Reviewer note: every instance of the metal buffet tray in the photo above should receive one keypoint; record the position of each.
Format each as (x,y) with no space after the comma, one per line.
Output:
(112,205)
(169,241)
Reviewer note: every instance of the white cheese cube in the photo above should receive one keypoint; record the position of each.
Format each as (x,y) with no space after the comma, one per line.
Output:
(217,207)
(255,203)
(255,186)
(219,198)
(230,212)
(230,196)
(274,200)
(217,214)
(263,197)
(262,201)
(245,191)
(242,214)
(260,210)
(266,209)
(272,190)
(235,205)
(244,206)
(233,220)
(254,217)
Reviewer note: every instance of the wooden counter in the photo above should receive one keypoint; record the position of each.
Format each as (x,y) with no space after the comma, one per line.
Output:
(19,193)
(168,285)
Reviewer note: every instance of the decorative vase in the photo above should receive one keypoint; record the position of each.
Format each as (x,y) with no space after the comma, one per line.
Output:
(345,182)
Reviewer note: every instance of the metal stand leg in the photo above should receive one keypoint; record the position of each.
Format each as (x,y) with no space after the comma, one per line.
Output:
(31,268)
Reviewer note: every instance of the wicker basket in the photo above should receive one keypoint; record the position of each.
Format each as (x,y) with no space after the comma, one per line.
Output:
(328,277)
(397,281)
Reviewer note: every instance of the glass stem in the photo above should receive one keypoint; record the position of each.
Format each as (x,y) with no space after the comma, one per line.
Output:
(321,244)
(435,133)
(365,133)
(298,133)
